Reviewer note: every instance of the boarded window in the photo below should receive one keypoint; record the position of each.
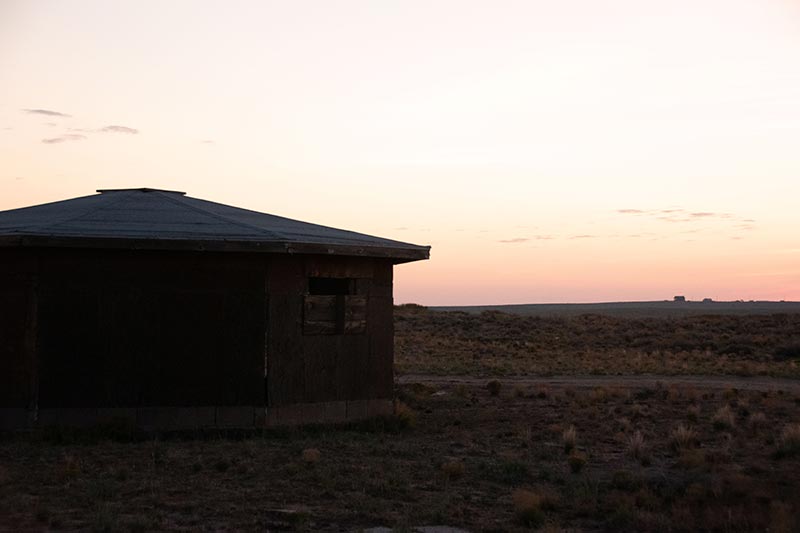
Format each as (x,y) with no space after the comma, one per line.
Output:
(331,308)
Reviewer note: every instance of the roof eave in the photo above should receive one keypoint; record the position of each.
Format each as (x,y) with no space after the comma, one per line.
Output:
(398,255)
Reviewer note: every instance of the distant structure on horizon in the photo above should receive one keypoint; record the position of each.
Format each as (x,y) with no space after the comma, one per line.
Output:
(162,311)
(679,299)
(707,300)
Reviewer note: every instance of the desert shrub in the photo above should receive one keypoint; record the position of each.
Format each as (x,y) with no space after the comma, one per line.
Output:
(311,456)
(453,469)
(576,461)
(569,438)
(789,441)
(528,508)
(724,418)
(542,391)
(519,391)
(693,413)
(682,437)
(494,387)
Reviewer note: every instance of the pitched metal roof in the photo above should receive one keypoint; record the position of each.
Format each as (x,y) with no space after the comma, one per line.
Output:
(170,220)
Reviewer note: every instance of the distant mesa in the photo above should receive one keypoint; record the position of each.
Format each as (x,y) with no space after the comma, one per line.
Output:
(679,299)
(707,300)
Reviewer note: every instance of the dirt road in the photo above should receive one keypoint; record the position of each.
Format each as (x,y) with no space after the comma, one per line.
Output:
(761,383)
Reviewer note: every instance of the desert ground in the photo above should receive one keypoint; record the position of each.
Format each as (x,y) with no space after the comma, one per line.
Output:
(504,423)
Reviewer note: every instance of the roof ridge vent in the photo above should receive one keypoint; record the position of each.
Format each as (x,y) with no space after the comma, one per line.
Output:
(140,189)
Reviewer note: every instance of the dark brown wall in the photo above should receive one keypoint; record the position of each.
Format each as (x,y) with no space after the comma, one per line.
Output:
(17,329)
(314,368)
(150,329)
(137,329)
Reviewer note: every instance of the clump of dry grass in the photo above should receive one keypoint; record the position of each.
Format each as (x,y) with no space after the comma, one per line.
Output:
(69,469)
(598,394)
(637,448)
(494,387)
(569,438)
(405,415)
(311,456)
(782,517)
(453,469)
(789,441)
(683,437)
(577,461)
(528,508)
(757,421)
(724,418)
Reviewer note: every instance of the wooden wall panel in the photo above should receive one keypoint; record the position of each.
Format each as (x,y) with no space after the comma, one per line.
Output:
(286,371)
(127,329)
(314,365)
(16,373)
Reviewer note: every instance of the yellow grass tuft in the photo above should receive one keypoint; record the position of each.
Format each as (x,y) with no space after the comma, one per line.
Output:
(636,446)
(683,437)
(528,508)
(453,469)
(569,438)
(311,456)
(724,418)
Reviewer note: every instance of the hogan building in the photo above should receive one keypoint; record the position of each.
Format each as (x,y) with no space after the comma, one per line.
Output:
(166,311)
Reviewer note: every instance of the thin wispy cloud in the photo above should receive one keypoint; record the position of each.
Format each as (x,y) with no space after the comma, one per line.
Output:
(46,112)
(517,240)
(119,129)
(675,214)
(64,138)
(583,237)
(207,141)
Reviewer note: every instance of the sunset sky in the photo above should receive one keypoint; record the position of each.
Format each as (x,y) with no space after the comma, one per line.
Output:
(548,151)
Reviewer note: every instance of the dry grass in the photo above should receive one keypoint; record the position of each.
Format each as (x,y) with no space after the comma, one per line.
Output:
(528,508)
(576,460)
(789,442)
(683,437)
(724,418)
(311,456)
(498,344)
(636,447)
(453,469)
(757,421)
(490,445)
(569,439)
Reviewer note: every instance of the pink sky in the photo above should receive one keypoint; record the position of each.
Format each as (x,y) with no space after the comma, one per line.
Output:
(548,151)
